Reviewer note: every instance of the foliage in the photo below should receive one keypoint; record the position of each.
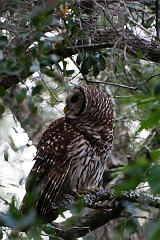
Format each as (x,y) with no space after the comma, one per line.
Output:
(46,47)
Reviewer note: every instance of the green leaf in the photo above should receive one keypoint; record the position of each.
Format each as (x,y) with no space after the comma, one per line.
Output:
(34,52)
(80,57)
(2,110)
(137,71)
(74,8)
(142,87)
(26,122)
(26,62)
(64,64)
(157,89)
(86,66)
(2,91)
(128,225)
(20,96)
(44,47)
(96,69)
(139,53)
(134,174)
(37,19)
(74,30)
(32,107)
(102,63)
(35,66)
(15,70)
(152,120)
(111,60)
(3,65)
(155,154)
(149,22)
(3,41)
(19,49)
(70,24)
(154,179)
(60,46)
(149,70)
(131,225)
(1,233)
(6,154)
(48,72)
(36,90)
(69,72)
(38,35)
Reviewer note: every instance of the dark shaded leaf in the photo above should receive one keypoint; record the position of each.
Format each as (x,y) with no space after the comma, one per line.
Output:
(1,233)
(6,154)
(3,65)
(102,63)
(3,41)
(149,22)
(96,69)
(153,229)
(80,57)
(134,173)
(20,96)
(142,87)
(26,122)
(32,106)
(60,46)
(44,47)
(36,90)
(157,89)
(19,49)
(152,120)
(69,72)
(154,179)
(2,110)
(15,70)
(155,154)
(112,61)
(86,66)
(2,91)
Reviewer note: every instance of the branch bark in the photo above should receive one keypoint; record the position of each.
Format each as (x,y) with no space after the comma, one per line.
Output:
(88,219)
(101,39)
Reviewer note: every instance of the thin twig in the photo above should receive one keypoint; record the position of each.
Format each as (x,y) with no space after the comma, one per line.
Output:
(157,18)
(57,100)
(114,84)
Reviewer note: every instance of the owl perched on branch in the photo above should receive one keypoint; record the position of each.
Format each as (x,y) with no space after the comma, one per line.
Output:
(72,153)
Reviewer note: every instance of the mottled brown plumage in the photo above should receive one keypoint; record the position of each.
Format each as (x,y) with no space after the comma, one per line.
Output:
(72,153)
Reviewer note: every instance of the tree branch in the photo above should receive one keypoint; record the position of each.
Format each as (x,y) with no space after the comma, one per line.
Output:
(88,219)
(100,39)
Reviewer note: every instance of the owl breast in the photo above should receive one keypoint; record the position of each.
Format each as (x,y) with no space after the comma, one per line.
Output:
(89,157)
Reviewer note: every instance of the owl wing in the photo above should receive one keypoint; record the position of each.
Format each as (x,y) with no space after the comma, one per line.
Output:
(51,167)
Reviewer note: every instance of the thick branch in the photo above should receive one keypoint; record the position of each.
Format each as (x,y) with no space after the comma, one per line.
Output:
(82,224)
(101,39)
(91,200)
(115,37)
(89,219)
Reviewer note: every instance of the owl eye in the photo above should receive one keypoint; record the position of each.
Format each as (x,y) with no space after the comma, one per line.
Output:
(74,99)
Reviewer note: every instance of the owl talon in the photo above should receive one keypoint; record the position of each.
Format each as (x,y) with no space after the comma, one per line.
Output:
(93,190)
(86,191)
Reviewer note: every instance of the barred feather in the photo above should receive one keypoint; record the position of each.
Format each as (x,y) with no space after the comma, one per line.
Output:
(72,153)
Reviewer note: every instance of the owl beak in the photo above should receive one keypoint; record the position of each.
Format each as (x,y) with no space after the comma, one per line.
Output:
(65,109)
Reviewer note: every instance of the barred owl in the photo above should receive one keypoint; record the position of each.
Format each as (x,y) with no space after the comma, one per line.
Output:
(72,153)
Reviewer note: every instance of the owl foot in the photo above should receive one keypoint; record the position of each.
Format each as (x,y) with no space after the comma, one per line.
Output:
(86,191)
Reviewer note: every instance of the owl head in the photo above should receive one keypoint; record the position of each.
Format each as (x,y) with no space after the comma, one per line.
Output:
(75,103)
(87,101)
